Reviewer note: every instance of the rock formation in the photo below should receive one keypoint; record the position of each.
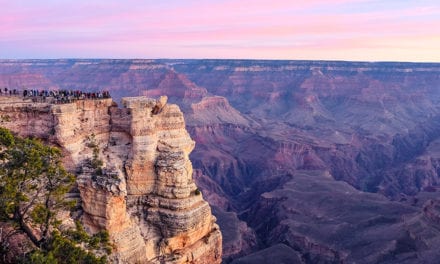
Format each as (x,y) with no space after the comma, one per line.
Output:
(143,194)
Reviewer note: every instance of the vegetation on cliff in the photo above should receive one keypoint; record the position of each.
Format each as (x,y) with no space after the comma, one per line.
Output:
(33,184)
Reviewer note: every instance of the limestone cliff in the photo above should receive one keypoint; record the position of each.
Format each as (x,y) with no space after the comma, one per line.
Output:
(133,173)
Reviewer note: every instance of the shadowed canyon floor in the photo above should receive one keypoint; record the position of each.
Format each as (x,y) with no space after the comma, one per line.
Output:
(320,162)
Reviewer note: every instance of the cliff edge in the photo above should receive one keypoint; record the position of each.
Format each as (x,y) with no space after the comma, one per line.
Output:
(134,176)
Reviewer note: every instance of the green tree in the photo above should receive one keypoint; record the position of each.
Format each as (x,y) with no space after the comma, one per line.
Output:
(33,184)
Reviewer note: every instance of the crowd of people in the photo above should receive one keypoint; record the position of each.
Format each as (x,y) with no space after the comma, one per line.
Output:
(7,91)
(55,96)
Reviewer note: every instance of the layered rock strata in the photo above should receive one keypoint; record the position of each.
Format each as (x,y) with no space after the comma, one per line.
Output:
(134,174)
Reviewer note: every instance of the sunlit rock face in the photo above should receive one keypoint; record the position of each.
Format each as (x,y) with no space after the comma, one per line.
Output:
(143,194)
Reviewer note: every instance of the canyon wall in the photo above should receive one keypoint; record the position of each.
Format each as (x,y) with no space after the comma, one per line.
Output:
(134,175)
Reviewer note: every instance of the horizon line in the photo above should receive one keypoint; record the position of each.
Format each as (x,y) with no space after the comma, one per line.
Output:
(220,59)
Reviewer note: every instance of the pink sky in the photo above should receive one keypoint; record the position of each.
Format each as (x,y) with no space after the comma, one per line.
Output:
(368,30)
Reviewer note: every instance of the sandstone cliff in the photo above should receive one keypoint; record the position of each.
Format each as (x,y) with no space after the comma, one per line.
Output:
(142,189)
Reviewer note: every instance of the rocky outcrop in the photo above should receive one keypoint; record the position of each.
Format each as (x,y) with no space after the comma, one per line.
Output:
(215,110)
(238,239)
(431,210)
(342,224)
(134,174)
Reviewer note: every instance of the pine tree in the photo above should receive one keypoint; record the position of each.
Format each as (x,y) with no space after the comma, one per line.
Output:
(33,184)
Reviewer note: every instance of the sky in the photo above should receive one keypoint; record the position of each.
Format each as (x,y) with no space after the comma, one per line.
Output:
(359,30)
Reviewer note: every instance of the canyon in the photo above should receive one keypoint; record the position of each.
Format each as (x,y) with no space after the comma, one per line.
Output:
(310,161)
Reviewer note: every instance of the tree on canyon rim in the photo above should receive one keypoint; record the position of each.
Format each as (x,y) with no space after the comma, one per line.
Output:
(33,184)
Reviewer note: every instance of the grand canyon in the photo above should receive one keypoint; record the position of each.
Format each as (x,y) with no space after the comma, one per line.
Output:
(300,161)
